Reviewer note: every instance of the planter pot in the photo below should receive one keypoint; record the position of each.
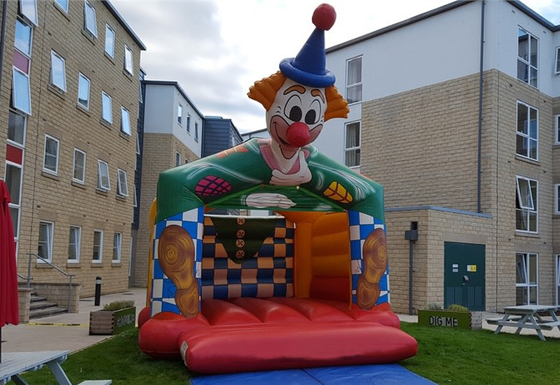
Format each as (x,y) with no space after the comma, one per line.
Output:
(112,321)
(444,318)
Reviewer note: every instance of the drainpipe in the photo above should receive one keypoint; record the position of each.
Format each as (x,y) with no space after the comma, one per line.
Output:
(411,236)
(480,95)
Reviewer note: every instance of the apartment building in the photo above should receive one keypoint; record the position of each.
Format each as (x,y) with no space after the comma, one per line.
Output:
(68,110)
(456,112)
(172,136)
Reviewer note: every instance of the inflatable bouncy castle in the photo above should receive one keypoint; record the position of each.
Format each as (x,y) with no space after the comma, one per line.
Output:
(303,287)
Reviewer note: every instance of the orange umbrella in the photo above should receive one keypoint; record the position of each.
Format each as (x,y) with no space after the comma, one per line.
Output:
(9,312)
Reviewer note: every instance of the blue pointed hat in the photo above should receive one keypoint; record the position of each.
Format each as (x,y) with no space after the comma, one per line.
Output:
(308,67)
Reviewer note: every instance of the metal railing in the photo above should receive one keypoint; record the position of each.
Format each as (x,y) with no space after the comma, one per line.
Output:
(43,260)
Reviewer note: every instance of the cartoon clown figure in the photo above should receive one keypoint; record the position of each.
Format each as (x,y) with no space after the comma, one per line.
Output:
(298,100)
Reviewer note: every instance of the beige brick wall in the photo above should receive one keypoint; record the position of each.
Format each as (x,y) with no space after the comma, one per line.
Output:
(422,146)
(57,198)
(158,155)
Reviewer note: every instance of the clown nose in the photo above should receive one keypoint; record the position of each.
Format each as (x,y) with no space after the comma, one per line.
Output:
(298,134)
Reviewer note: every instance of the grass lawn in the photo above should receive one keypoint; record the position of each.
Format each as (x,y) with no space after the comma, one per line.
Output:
(446,356)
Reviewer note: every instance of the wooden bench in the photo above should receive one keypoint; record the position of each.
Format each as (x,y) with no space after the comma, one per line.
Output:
(550,325)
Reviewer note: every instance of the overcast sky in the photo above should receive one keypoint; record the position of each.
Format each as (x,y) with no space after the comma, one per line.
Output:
(216,49)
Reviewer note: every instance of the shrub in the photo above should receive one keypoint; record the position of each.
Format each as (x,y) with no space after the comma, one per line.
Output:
(458,308)
(118,305)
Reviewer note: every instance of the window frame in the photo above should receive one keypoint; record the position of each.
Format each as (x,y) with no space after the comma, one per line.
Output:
(353,149)
(125,122)
(15,132)
(527,209)
(557,129)
(75,167)
(188,123)
(29,44)
(177,159)
(524,269)
(56,156)
(17,86)
(111,52)
(81,77)
(352,85)
(527,136)
(117,247)
(122,183)
(28,9)
(196,131)
(58,75)
(527,61)
(90,26)
(62,4)
(76,244)
(557,61)
(128,60)
(48,243)
(15,190)
(103,173)
(97,247)
(179,114)
(105,97)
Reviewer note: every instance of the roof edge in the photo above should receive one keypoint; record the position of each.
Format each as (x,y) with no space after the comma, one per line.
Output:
(125,25)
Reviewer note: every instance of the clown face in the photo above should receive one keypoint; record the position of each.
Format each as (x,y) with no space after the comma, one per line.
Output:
(296,116)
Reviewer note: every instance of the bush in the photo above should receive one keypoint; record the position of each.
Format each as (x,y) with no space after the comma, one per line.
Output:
(458,308)
(434,306)
(118,305)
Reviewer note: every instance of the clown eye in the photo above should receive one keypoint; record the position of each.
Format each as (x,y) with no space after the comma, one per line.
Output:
(292,109)
(312,116)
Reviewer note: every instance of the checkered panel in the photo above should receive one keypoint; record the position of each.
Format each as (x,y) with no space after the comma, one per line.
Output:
(163,289)
(268,274)
(361,225)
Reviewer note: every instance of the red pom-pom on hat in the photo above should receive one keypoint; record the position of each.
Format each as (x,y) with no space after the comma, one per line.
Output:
(324,17)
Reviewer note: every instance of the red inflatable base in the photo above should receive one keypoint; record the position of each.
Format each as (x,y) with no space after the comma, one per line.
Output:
(250,334)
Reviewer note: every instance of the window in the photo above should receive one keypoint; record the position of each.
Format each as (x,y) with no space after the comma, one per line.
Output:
(135,203)
(109,41)
(527,57)
(117,242)
(527,131)
(63,4)
(50,161)
(79,166)
(122,185)
(28,8)
(527,279)
(526,217)
(90,22)
(44,249)
(106,107)
(557,280)
(196,131)
(557,129)
(16,128)
(58,71)
(83,91)
(125,121)
(557,198)
(179,114)
(21,93)
(177,159)
(188,123)
(354,80)
(97,246)
(128,60)
(103,182)
(13,181)
(74,242)
(23,38)
(352,145)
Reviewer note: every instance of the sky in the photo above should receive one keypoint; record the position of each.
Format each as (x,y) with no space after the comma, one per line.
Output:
(217,49)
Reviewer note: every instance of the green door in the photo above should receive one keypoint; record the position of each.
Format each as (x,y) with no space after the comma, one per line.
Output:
(464,284)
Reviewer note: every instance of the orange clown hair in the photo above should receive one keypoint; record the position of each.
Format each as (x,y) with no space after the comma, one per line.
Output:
(264,92)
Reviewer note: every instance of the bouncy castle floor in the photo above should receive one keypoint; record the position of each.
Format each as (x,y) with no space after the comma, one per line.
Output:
(390,374)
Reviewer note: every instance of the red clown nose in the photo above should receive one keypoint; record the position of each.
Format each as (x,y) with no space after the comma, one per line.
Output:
(298,134)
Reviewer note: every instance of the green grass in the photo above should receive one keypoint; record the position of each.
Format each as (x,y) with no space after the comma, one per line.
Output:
(445,356)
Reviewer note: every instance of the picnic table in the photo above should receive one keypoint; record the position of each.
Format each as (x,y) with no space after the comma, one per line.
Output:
(527,317)
(16,363)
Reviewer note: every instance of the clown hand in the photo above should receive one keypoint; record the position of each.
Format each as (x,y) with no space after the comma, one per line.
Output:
(263,200)
(302,176)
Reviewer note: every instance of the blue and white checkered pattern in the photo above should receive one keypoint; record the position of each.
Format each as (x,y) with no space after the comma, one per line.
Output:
(361,225)
(163,289)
